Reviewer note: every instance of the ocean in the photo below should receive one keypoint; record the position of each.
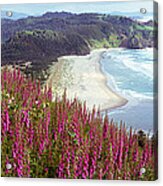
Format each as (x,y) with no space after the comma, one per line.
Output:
(130,73)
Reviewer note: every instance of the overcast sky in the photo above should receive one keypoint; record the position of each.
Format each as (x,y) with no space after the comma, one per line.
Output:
(100,7)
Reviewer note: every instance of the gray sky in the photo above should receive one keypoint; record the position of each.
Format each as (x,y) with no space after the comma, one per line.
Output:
(100,7)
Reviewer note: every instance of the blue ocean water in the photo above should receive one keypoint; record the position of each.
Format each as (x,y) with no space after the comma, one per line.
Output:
(130,73)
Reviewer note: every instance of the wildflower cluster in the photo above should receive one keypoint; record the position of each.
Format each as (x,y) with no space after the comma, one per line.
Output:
(62,139)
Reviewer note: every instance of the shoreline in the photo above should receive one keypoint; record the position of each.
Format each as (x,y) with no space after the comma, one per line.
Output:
(83,78)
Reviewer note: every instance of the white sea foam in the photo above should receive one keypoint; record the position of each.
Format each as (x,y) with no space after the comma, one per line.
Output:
(129,94)
(135,95)
(144,68)
(122,57)
(130,74)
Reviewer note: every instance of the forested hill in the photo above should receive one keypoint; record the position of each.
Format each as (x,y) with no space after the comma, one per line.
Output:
(42,39)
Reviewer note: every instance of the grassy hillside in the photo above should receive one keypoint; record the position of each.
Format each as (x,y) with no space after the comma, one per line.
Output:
(42,39)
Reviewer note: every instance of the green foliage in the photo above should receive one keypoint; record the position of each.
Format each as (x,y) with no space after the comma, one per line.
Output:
(144,27)
(99,44)
(41,40)
(114,41)
(42,138)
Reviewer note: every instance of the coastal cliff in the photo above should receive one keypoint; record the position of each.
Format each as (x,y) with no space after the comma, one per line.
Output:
(41,40)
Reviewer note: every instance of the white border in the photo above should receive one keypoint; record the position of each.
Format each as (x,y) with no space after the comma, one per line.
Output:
(46,182)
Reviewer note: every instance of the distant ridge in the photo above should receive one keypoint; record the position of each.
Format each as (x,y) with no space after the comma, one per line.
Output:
(43,39)
(15,16)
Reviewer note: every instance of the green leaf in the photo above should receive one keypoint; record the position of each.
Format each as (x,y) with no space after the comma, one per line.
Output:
(72,134)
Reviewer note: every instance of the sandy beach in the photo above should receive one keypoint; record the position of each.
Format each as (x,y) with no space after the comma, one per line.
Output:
(82,77)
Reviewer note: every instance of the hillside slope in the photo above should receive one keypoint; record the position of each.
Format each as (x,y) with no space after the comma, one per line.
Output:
(43,39)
